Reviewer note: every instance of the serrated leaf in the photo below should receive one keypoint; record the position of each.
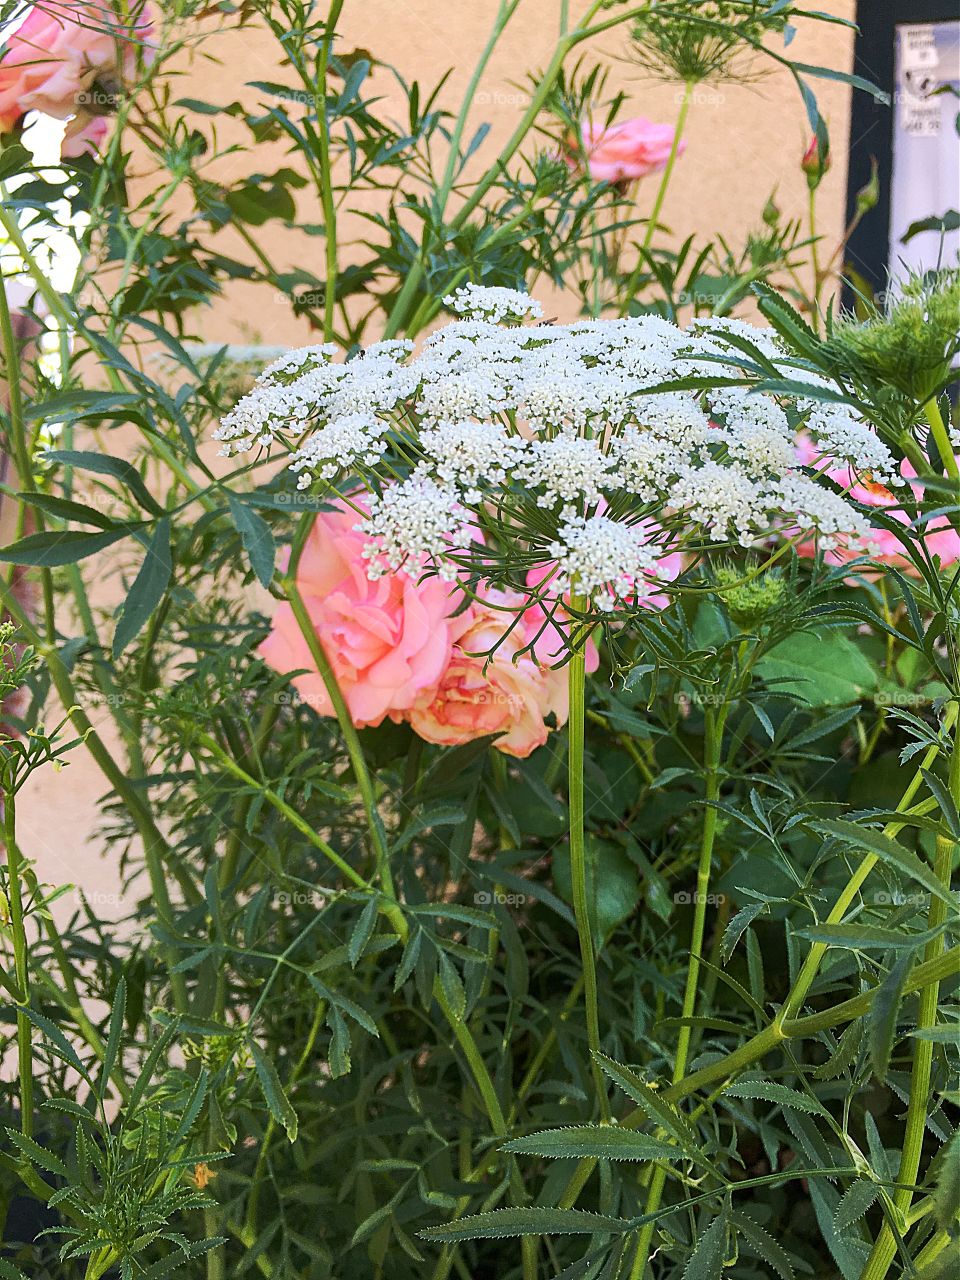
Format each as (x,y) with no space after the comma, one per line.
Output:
(659,1110)
(361,932)
(768,1091)
(706,1261)
(36,1154)
(500,1224)
(598,1141)
(764,1245)
(112,1047)
(854,1203)
(55,548)
(887,850)
(735,929)
(257,539)
(278,1104)
(452,987)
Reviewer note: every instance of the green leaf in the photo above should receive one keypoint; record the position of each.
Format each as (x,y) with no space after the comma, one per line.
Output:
(14,159)
(822,670)
(740,922)
(706,1261)
(613,883)
(865,937)
(105,465)
(764,1245)
(767,1091)
(38,1155)
(499,1224)
(361,932)
(597,1141)
(854,1203)
(66,509)
(882,1023)
(660,1111)
(149,588)
(112,1048)
(257,539)
(452,987)
(276,1099)
(887,850)
(58,547)
(946,1191)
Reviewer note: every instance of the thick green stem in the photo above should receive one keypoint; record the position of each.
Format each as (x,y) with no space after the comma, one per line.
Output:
(885,1246)
(661,196)
(582,904)
(938,430)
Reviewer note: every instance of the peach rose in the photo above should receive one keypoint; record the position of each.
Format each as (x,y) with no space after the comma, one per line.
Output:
(626,150)
(69,60)
(388,641)
(511,693)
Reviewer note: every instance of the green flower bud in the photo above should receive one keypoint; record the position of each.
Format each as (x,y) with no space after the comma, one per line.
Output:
(749,603)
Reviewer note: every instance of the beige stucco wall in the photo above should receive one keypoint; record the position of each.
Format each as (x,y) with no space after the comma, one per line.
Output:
(744,140)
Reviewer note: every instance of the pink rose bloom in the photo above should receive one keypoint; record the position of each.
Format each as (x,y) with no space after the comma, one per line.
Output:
(627,150)
(67,60)
(388,641)
(941,540)
(511,693)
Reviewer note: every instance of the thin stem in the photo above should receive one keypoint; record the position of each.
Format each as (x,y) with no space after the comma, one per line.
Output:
(885,1246)
(714,721)
(20,961)
(326,185)
(578,868)
(773,1035)
(814,258)
(685,101)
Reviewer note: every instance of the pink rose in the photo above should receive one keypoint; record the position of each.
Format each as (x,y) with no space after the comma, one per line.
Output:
(387,641)
(511,693)
(69,60)
(940,539)
(627,150)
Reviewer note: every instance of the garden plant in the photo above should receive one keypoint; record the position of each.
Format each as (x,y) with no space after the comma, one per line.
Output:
(531,747)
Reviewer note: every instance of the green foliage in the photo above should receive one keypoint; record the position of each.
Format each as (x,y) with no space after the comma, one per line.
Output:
(275,1059)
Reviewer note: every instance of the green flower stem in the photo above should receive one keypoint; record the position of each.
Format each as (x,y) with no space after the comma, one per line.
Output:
(20,961)
(582,905)
(714,721)
(814,257)
(784,1025)
(326,186)
(885,1246)
(632,282)
(931,411)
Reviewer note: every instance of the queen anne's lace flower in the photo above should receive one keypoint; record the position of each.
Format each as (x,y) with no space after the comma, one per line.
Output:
(492,303)
(602,559)
(411,527)
(562,436)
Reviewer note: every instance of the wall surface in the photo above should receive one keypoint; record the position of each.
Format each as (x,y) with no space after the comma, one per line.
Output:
(744,140)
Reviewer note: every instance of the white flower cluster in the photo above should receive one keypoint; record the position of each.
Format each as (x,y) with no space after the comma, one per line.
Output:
(492,303)
(560,444)
(603,559)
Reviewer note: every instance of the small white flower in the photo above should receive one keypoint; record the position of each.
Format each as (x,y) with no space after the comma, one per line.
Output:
(564,469)
(411,527)
(472,455)
(492,303)
(341,444)
(721,497)
(600,558)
